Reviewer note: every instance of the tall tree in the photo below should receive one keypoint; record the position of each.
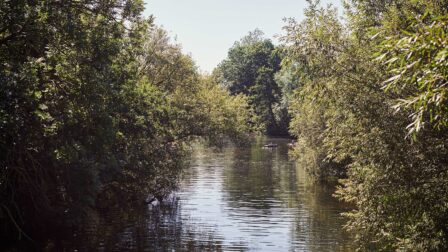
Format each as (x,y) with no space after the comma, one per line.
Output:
(250,69)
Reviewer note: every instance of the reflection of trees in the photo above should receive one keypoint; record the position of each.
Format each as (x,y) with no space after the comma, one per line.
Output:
(261,187)
(265,177)
(204,156)
(318,222)
(145,229)
(253,176)
(154,228)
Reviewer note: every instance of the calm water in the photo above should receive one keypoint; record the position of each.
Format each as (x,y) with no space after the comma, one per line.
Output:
(235,199)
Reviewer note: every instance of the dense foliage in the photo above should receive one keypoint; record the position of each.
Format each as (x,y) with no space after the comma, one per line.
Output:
(370,107)
(250,69)
(96,105)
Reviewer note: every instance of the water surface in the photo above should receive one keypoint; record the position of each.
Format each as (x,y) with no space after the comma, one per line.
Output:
(233,199)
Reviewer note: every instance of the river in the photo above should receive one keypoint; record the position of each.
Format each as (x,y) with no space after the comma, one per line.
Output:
(233,199)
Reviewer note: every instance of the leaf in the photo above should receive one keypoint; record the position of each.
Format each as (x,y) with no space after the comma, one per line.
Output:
(381,57)
(392,79)
(441,56)
(390,61)
(375,36)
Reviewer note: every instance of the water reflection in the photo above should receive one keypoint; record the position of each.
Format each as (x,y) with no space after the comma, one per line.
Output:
(235,199)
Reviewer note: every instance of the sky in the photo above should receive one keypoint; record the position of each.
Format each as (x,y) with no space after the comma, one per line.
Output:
(206,29)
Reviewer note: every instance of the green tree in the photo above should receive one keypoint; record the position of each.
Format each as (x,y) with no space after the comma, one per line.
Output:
(342,114)
(250,69)
(96,106)
(313,46)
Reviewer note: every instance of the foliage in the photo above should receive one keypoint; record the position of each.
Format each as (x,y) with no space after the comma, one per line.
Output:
(417,59)
(202,107)
(313,47)
(250,69)
(96,106)
(225,114)
(348,124)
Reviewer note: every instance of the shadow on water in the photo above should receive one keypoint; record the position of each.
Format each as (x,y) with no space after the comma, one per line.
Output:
(234,199)
(152,228)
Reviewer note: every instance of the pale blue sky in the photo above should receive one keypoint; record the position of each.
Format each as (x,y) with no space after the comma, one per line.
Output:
(208,28)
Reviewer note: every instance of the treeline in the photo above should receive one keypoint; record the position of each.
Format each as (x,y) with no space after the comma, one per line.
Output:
(371,107)
(252,68)
(96,106)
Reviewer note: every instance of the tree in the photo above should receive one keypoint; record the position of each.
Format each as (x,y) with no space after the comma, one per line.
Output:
(249,69)
(96,106)
(346,121)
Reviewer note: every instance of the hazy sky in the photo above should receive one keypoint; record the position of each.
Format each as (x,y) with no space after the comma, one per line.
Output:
(208,28)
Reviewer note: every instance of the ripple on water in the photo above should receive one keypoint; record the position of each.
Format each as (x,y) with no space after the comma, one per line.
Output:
(237,199)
